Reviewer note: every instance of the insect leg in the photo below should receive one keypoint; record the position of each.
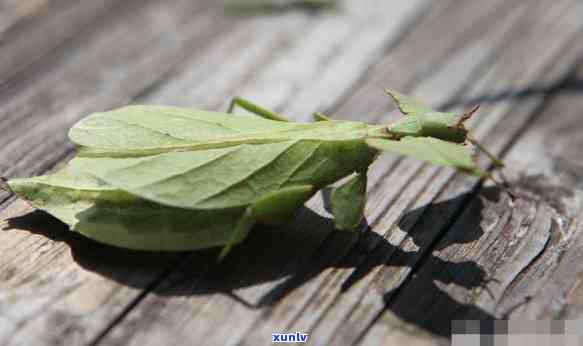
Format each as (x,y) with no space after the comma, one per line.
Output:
(239,233)
(320,117)
(255,109)
(273,209)
(348,201)
(497,162)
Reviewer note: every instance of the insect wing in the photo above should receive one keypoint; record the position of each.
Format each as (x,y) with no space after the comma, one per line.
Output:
(112,216)
(408,104)
(432,150)
(144,130)
(225,177)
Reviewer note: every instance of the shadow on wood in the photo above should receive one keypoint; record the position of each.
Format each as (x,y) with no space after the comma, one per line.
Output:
(572,83)
(262,8)
(419,300)
(285,259)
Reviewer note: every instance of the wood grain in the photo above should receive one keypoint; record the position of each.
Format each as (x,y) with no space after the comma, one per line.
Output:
(491,249)
(80,279)
(314,293)
(437,245)
(37,110)
(71,326)
(33,29)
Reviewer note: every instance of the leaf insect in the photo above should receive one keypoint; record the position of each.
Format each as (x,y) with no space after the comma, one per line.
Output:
(170,179)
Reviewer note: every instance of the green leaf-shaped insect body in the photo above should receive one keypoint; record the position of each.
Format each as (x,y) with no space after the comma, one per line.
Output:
(171,179)
(424,122)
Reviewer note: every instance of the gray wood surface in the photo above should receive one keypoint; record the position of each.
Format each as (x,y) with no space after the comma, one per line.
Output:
(437,245)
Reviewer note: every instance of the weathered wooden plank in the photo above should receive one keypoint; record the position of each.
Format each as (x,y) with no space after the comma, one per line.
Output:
(354,41)
(29,286)
(150,333)
(71,326)
(31,29)
(46,298)
(226,68)
(13,13)
(492,239)
(389,194)
(344,305)
(312,295)
(524,246)
(65,79)
(221,308)
(547,158)
(37,111)
(308,306)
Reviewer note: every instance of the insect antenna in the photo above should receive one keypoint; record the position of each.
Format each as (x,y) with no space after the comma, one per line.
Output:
(496,161)
(467,115)
(498,164)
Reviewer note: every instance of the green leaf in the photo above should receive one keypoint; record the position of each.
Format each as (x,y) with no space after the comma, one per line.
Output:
(432,150)
(348,202)
(143,130)
(147,130)
(115,217)
(201,160)
(166,178)
(228,177)
(408,104)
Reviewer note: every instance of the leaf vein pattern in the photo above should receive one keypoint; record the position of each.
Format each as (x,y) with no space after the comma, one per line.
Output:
(200,120)
(300,165)
(232,150)
(248,176)
(151,130)
(97,134)
(444,155)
